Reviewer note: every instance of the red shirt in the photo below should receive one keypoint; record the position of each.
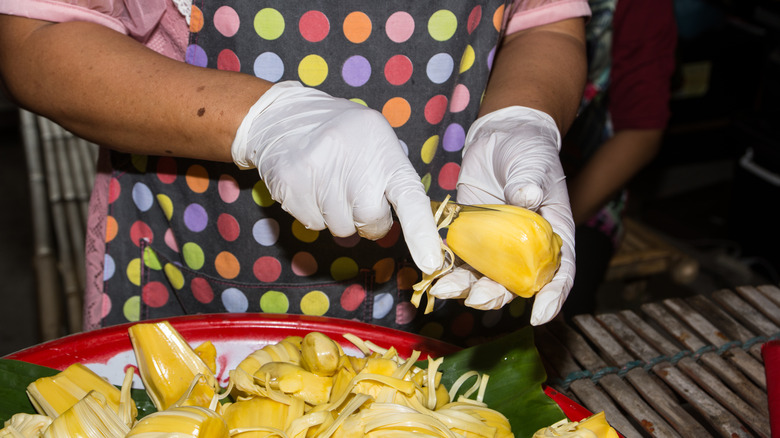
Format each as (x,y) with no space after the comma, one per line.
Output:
(643,59)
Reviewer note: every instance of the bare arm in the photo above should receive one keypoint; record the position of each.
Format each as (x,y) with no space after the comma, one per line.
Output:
(110,89)
(611,167)
(543,68)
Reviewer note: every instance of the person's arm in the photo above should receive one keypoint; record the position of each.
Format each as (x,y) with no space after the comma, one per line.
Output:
(612,166)
(110,89)
(541,68)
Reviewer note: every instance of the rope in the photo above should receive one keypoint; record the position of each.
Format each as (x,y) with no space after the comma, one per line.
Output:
(622,370)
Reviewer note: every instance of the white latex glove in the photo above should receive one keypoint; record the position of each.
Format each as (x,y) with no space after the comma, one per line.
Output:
(336,164)
(511,157)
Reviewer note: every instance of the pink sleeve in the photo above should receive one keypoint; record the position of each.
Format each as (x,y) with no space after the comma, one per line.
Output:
(156,23)
(525,14)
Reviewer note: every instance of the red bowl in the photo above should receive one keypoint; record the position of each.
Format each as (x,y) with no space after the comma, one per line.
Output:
(108,351)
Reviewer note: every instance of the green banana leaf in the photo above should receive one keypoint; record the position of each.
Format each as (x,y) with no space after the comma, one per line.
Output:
(516,375)
(512,362)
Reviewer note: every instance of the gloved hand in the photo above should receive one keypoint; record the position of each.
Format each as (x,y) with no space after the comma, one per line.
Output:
(511,157)
(336,164)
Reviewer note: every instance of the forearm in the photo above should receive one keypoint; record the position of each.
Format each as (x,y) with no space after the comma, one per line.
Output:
(542,68)
(612,166)
(110,89)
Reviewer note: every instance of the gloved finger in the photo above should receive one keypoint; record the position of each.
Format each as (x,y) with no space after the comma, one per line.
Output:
(486,294)
(372,218)
(301,206)
(454,285)
(413,208)
(549,301)
(338,219)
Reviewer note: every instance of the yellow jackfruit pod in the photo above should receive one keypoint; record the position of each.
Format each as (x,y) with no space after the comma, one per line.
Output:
(595,426)
(510,245)
(482,414)
(257,417)
(168,366)
(23,425)
(293,380)
(320,354)
(181,421)
(54,395)
(90,417)
(241,377)
(208,353)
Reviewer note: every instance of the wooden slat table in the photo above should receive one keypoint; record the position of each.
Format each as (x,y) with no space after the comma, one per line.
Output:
(681,367)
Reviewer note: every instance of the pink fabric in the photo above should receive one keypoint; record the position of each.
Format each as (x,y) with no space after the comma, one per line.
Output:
(526,14)
(95,244)
(156,23)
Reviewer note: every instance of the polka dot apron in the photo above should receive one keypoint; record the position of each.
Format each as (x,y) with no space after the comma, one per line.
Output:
(187,236)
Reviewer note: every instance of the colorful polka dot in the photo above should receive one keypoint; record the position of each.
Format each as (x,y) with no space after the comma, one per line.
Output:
(228,227)
(170,240)
(201,290)
(196,56)
(234,300)
(109,267)
(274,302)
(397,111)
(227,265)
(398,69)
(429,149)
(261,195)
(313,70)
(303,234)
(343,268)
(269,24)
(112,228)
(473,21)
(151,260)
(174,276)
(227,60)
(467,60)
(460,98)
(197,178)
(266,231)
(114,189)
(356,71)
(448,176)
(315,303)
(442,25)
(267,269)
(435,109)
(142,196)
(196,19)
(166,205)
(440,68)
(269,66)
(226,21)
(166,170)
(154,294)
(132,309)
(347,242)
(407,277)
(140,231)
(303,264)
(383,304)
(383,270)
(352,297)
(133,271)
(314,26)
(193,255)
(405,312)
(357,27)
(196,218)
(454,138)
(228,189)
(498,18)
(399,27)
(391,237)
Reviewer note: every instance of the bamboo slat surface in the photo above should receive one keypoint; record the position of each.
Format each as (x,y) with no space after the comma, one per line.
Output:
(687,367)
